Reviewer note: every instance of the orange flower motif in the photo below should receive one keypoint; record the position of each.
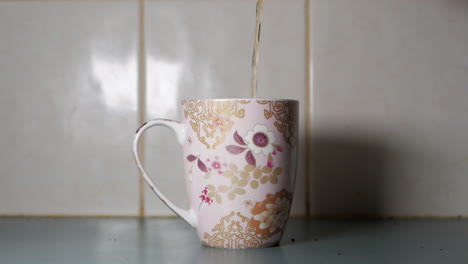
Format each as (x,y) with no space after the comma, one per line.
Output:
(270,215)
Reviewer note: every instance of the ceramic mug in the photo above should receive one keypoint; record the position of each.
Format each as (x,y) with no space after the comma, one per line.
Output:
(240,168)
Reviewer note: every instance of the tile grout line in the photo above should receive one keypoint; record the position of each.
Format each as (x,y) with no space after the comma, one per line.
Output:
(308,108)
(141,98)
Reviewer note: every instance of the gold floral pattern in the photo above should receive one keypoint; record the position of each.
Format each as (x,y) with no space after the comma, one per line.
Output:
(270,215)
(234,231)
(212,120)
(284,112)
(239,179)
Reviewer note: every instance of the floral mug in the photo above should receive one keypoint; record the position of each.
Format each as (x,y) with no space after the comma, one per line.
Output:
(240,168)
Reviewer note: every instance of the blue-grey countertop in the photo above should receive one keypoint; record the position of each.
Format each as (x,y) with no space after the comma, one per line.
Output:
(114,240)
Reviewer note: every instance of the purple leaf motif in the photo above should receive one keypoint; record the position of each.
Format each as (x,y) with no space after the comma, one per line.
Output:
(239,139)
(233,149)
(191,158)
(202,166)
(250,158)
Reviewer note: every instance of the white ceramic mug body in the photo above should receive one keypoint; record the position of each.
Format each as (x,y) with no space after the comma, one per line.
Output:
(240,169)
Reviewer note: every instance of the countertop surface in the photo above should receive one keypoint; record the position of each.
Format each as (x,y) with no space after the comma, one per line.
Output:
(132,240)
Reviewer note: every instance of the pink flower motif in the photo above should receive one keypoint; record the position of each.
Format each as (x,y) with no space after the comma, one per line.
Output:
(270,164)
(204,197)
(216,165)
(260,139)
(274,152)
(218,121)
(248,202)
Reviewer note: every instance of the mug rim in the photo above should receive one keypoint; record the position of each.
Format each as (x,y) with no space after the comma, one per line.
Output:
(240,99)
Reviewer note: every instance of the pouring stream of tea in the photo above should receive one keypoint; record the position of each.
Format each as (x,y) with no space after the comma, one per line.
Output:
(255,55)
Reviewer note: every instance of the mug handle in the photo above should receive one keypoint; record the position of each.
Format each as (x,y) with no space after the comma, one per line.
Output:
(188,215)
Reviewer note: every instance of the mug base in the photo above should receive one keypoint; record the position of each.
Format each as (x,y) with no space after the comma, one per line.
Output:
(266,245)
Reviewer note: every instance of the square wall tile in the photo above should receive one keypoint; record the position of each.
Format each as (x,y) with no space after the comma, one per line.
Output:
(68,107)
(203,49)
(390,112)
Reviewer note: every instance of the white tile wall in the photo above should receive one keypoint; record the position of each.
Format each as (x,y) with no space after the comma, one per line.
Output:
(68,107)
(389,89)
(390,107)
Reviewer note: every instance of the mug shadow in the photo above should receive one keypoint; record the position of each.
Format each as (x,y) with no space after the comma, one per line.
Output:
(347,176)
(347,181)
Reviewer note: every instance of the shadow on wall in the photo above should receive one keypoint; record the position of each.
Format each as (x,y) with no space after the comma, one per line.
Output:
(347,180)
(348,174)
